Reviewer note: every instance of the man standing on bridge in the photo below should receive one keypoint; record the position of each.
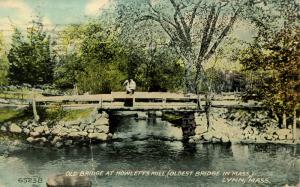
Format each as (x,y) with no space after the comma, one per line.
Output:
(130,86)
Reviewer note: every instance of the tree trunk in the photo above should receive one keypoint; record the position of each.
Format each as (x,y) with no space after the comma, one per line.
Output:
(295,124)
(207,110)
(35,114)
(284,120)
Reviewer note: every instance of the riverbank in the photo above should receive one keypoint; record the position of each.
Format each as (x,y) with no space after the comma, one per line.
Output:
(64,132)
(240,126)
(82,127)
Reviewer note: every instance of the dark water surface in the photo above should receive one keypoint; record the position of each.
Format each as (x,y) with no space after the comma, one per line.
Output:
(148,146)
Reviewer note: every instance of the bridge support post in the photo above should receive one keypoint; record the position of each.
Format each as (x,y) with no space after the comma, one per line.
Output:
(188,125)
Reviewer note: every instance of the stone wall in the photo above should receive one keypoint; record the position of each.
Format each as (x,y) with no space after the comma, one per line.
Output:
(62,133)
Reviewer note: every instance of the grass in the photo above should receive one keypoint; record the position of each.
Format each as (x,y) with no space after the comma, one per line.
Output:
(7,114)
(52,114)
(72,115)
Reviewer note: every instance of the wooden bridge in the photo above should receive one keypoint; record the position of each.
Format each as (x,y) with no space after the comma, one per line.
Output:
(143,101)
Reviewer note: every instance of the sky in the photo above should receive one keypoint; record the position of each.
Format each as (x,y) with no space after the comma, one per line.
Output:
(55,13)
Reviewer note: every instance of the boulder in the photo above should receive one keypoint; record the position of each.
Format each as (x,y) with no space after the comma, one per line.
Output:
(102,128)
(82,126)
(33,140)
(200,129)
(225,139)
(34,134)
(3,128)
(283,134)
(56,129)
(158,113)
(14,128)
(55,140)
(30,139)
(142,116)
(71,123)
(58,144)
(98,136)
(74,135)
(104,115)
(207,136)
(90,130)
(25,123)
(69,142)
(26,131)
(101,121)
(39,129)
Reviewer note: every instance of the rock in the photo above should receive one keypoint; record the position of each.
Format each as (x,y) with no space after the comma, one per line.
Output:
(33,140)
(30,139)
(39,129)
(14,128)
(109,135)
(58,144)
(74,135)
(42,139)
(104,115)
(3,128)
(90,130)
(98,136)
(142,116)
(225,139)
(200,129)
(275,137)
(34,124)
(158,113)
(101,121)
(102,128)
(26,131)
(71,123)
(207,136)
(283,134)
(55,140)
(24,123)
(196,137)
(56,129)
(34,134)
(69,142)
(82,126)
(83,133)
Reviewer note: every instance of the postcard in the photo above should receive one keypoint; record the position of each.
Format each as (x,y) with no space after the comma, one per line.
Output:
(149,93)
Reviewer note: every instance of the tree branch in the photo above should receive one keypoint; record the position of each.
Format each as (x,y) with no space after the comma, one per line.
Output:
(222,35)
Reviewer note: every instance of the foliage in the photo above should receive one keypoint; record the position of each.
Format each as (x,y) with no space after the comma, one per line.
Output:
(29,58)
(275,55)
(3,62)
(96,61)
(156,69)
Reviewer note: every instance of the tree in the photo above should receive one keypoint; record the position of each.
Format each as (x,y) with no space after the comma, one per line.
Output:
(30,58)
(92,58)
(3,62)
(196,29)
(275,55)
